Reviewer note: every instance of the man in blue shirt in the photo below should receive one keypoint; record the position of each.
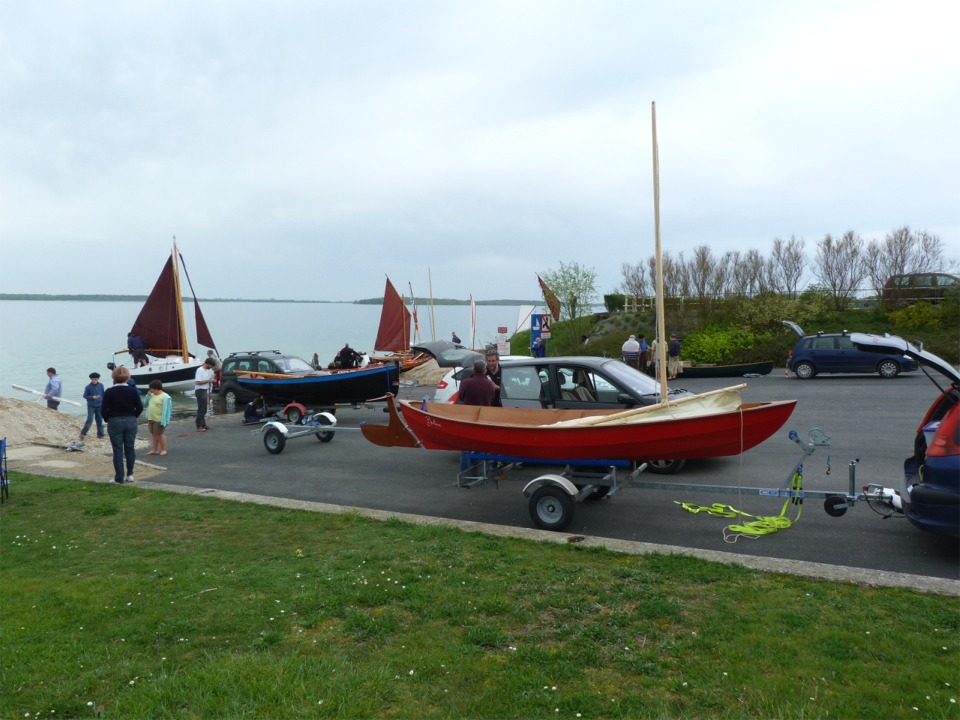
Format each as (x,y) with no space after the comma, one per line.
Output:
(93,394)
(54,389)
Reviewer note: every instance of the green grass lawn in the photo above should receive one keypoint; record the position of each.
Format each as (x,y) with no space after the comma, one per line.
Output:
(124,602)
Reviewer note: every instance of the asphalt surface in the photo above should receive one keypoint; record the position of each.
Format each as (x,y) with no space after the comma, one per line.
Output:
(866,417)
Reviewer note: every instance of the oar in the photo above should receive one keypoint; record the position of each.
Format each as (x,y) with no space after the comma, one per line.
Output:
(600,419)
(37,392)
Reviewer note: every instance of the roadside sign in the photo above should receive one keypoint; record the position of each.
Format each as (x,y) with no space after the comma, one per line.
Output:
(546,323)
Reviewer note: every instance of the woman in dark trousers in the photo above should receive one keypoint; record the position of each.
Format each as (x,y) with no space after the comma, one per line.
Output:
(121,408)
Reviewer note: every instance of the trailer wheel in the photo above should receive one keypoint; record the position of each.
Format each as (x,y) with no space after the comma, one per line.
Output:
(551,508)
(294,415)
(274,441)
(665,467)
(833,505)
(325,435)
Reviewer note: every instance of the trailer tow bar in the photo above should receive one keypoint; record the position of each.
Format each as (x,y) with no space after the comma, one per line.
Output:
(835,503)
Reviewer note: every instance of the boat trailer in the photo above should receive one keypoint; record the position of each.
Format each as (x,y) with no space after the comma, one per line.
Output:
(275,433)
(552,496)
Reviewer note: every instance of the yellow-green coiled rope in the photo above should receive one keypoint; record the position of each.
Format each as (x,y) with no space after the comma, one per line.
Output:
(761,524)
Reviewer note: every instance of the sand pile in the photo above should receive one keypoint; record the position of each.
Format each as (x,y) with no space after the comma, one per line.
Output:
(32,423)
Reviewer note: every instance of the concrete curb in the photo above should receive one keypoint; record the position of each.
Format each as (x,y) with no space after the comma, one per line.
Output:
(800,568)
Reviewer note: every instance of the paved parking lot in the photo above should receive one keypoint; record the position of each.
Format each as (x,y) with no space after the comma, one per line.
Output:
(867,418)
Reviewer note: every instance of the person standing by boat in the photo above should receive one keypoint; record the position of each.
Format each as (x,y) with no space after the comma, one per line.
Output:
(203,381)
(655,357)
(478,389)
(93,394)
(644,350)
(630,351)
(454,338)
(137,349)
(673,358)
(315,362)
(216,361)
(54,389)
(159,411)
(121,408)
(495,373)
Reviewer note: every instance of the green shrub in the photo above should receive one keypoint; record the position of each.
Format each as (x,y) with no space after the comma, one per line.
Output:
(614,302)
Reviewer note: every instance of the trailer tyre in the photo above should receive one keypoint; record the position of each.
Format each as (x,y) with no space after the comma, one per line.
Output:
(294,415)
(551,508)
(325,435)
(274,441)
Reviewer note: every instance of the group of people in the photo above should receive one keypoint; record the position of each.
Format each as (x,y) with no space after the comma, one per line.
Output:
(638,354)
(347,358)
(119,408)
(115,411)
(482,388)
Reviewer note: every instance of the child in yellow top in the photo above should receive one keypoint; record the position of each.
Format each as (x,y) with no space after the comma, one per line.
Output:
(159,410)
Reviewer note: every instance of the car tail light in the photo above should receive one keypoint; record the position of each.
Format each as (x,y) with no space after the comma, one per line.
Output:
(454,397)
(442,385)
(945,439)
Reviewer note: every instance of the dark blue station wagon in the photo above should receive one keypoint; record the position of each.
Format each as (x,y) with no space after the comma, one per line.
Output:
(836,353)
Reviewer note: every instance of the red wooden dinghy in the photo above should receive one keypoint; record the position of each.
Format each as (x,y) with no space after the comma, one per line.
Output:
(701,426)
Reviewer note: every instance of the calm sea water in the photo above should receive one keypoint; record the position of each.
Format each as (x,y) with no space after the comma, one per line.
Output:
(78,338)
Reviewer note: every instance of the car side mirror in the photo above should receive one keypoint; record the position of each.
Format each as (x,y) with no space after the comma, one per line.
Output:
(626,399)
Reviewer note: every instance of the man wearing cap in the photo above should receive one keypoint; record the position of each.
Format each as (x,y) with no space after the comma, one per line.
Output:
(204,382)
(631,352)
(93,394)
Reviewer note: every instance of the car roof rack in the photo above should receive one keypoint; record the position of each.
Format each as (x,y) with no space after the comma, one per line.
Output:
(255,352)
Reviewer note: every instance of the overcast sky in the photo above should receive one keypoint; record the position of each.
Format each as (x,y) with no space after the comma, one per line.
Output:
(304,149)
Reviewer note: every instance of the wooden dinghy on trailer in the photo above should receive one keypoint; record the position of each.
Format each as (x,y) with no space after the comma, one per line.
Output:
(594,447)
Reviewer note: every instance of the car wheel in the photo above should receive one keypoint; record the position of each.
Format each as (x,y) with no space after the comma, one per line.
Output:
(664,467)
(888,369)
(804,370)
(229,394)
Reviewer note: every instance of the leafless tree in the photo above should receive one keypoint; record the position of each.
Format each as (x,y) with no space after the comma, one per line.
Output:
(840,267)
(722,283)
(930,254)
(676,282)
(902,252)
(787,265)
(634,283)
(700,270)
(755,273)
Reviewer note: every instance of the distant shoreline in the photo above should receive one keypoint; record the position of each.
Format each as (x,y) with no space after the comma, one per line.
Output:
(142,298)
